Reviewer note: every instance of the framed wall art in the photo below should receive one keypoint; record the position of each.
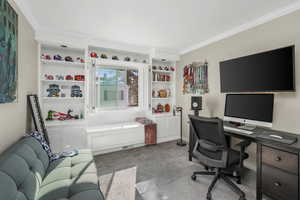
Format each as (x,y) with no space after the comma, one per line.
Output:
(8,53)
(195,78)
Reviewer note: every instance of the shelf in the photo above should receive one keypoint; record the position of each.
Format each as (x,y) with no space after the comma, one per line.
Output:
(55,62)
(163,71)
(158,98)
(165,114)
(64,123)
(162,82)
(63,81)
(109,62)
(63,98)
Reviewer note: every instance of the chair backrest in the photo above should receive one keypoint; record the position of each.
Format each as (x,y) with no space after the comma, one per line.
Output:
(211,148)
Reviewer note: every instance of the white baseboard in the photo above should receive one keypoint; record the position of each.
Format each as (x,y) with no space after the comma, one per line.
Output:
(167,139)
(132,146)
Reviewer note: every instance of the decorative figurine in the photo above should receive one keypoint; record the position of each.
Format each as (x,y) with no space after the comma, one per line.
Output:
(167,108)
(160,68)
(168,78)
(93,55)
(76,91)
(127,59)
(68,59)
(160,108)
(57,57)
(69,78)
(79,77)
(166,68)
(115,58)
(162,93)
(53,90)
(172,69)
(59,77)
(103,56)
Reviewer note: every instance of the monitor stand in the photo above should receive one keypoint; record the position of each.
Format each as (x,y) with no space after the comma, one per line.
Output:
(247,127)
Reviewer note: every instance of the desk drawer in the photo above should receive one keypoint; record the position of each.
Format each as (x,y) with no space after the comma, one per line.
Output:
(280,159)
(279,184)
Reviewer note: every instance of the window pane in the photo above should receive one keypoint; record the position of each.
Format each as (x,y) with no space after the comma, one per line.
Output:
(116,88)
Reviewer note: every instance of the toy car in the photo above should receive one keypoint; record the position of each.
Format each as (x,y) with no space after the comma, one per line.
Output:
(69,78)
(93,55)
(115,58)
(80,60)
(59,77)
(127,59)
(57,57)
(103,56)
(76,91)
(53,90)
(49,77)
(79,77)
(68,59)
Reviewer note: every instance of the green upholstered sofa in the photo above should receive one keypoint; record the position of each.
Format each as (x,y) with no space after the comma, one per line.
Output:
(27,174)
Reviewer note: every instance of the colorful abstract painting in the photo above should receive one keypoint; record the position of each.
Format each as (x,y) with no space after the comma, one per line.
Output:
(195,78)
(8,53)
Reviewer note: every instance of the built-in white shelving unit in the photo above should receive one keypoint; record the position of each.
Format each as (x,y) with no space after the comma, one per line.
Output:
(53,74)
(162,87)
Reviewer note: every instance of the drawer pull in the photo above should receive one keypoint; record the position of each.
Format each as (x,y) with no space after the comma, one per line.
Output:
(278,159)
(277,184)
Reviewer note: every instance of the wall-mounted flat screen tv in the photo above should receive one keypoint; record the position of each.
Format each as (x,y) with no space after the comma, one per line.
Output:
(263,72)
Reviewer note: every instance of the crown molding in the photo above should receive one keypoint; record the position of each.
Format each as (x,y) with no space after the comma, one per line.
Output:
(261,20)
(26,11)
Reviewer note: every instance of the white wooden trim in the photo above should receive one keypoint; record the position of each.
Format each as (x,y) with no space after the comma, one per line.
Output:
(261,20)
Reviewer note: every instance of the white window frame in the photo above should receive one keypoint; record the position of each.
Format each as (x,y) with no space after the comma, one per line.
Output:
(142,88)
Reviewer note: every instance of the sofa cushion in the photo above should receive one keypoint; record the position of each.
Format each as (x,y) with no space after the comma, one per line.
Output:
(22,168)
(71,177)
(26,174)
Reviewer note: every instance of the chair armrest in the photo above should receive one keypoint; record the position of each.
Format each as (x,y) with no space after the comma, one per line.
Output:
(205,144)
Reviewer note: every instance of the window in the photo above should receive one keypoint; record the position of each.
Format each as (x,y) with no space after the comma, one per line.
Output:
(116,88)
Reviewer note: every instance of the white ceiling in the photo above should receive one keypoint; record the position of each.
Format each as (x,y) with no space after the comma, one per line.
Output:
(172,24)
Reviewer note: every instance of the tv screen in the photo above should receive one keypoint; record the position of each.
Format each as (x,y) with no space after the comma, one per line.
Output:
(268,71)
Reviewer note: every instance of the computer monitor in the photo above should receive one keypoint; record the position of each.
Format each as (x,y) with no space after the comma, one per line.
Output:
(250,109)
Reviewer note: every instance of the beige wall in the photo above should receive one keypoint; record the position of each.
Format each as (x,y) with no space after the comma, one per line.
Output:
(14,118)
(278,33)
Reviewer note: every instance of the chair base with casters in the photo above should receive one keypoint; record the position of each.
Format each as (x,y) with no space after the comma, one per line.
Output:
(219,175)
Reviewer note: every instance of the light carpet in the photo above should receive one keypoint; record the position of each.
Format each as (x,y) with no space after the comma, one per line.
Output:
(119,185)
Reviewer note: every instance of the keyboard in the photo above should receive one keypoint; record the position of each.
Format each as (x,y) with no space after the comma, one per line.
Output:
(229,128)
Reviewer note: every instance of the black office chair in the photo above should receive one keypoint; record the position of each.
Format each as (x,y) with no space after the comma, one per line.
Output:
(212,151)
